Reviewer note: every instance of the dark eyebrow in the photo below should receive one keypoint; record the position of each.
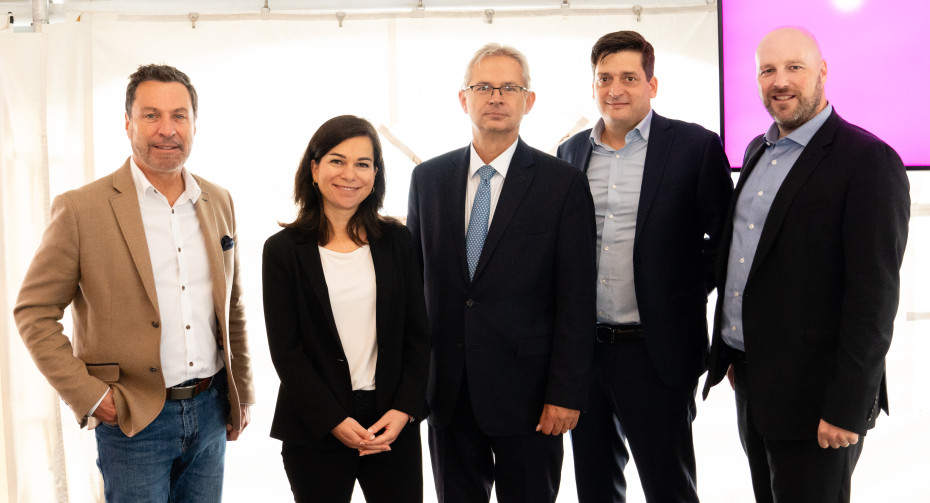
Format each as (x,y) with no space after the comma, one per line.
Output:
(622,74)
(337,154)
(153,109)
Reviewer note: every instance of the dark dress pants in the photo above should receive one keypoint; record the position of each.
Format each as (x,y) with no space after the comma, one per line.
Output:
(792,471)
(329,474)
(628,399)
(467,463)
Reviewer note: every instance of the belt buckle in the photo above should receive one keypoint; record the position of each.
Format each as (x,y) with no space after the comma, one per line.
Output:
(182,392)
(187,392)
(606,335)
(613,334)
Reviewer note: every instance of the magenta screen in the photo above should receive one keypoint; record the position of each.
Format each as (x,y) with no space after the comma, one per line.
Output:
(878,68)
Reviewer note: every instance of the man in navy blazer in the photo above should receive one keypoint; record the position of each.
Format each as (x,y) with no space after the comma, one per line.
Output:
(809,290)
(510,320)
(661,189)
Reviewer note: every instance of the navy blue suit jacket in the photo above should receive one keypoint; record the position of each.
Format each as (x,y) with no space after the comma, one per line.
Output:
(522,331)
(682,204)
(821,297)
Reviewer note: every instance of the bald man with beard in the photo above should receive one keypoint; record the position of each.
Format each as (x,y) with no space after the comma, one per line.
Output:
(816,232)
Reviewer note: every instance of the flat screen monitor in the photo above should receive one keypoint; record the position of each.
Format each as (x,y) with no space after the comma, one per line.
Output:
(878,68)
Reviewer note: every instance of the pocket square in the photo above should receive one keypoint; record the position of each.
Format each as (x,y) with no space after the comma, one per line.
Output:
(227,243)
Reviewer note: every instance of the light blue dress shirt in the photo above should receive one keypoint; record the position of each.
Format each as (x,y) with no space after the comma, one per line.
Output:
(752,208)
(615,178)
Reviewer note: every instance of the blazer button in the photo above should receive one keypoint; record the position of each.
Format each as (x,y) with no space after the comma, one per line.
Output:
(155,324)
(461,345)
(153,369)
(470,303)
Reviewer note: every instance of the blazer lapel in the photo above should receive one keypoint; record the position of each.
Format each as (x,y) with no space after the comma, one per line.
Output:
(660,144)
(807,162)
(519,176)
(308,255)
(383,281)
(455,186)
(129,217)
(750,158)
(582,155)
(206,214)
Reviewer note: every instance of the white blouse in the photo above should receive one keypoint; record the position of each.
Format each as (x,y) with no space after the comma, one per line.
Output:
(350,279)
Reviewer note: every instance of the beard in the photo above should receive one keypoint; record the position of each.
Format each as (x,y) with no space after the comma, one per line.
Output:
(164,161)
(805,111)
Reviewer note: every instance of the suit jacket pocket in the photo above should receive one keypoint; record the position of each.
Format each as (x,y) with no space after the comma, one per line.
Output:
(534,346)
(106,372)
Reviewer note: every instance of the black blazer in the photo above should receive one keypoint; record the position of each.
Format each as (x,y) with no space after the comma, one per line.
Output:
(684,196)
(316,391)
(523,330)
(822,293)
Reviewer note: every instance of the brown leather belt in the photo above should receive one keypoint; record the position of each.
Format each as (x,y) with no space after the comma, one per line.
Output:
(612,334)
(186,392)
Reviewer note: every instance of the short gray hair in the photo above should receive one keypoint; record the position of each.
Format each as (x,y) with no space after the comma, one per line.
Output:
(495,49)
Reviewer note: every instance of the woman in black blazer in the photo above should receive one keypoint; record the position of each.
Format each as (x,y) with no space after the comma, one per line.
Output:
(346,324)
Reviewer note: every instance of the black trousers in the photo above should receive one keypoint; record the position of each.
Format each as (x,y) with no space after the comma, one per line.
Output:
(792,471)
(628,400)
(466,462)
(325,475)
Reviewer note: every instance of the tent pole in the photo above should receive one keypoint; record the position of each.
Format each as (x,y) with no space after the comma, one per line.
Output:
(39,14)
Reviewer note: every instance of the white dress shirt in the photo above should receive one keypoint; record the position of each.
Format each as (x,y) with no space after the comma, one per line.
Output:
(189,347)
(500,164)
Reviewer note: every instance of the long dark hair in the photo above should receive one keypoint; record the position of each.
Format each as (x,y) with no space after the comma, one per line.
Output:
(310,216)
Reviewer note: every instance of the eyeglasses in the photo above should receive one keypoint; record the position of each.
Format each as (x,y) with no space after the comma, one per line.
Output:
(486,90)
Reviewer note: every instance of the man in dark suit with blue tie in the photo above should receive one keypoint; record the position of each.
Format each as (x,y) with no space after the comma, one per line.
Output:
(506,237)
(661,189)
(816,234)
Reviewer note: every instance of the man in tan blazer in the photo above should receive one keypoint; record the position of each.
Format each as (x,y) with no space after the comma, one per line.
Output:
(148,259)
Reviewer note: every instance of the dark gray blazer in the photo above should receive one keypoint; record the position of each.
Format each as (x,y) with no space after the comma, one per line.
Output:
(822,294)
(684,197)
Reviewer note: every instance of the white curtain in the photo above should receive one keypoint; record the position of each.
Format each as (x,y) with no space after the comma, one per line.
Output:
(264,88)
(44,458)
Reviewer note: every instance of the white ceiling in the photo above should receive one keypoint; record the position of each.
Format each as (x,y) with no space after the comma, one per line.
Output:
(22,9)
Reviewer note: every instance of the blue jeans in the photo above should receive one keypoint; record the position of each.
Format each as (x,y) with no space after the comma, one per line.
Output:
(179,457)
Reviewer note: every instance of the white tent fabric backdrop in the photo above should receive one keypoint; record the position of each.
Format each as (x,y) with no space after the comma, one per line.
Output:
(264,87)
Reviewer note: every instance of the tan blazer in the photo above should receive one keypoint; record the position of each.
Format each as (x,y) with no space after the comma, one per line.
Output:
(94,257)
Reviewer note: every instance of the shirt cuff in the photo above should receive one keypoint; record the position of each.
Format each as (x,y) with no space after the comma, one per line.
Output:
(92,409)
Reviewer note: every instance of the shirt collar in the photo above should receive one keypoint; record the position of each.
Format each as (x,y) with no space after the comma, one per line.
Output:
(641,129)
(143,185)
(803,134)
(500,164)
